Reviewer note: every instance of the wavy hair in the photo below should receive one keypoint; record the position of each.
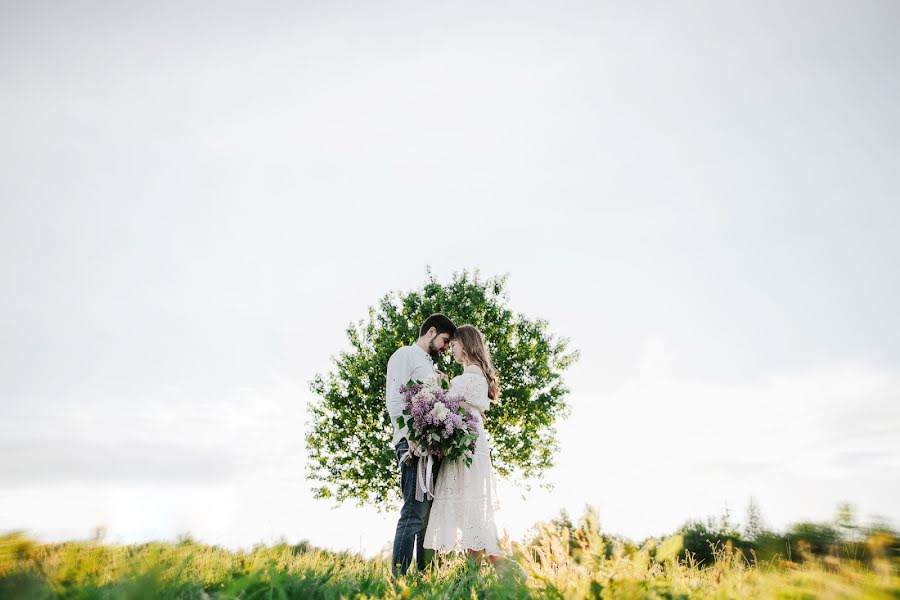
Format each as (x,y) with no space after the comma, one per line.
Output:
(476,351)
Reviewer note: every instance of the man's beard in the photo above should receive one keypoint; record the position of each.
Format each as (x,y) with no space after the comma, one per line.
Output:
(434,352)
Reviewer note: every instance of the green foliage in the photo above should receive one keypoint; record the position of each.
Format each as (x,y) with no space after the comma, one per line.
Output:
(564,560)
(875,545)
(770,546)
(703,539)
(349,431)
(818,539)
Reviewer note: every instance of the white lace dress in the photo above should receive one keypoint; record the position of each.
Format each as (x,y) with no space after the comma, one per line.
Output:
(465,498)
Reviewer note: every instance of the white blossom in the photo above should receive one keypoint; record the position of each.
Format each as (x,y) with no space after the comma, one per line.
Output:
(440,411)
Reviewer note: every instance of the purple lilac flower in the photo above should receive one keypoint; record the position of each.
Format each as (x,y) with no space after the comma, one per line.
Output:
(452,429)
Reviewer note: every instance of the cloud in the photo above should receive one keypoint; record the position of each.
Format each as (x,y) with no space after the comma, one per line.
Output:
(738,466)
(883,461)
(200,435)
(799,422)
(665,441)
(54,461)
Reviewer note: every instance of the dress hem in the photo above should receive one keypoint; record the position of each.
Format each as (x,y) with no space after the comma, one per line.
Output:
(464,548)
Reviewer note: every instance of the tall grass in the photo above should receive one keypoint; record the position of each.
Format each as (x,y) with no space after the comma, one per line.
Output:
(561,562)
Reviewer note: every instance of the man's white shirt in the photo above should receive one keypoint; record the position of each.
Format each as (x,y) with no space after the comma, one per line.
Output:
(408,362)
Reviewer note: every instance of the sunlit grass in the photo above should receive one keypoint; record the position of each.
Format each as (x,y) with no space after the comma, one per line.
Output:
(560,563)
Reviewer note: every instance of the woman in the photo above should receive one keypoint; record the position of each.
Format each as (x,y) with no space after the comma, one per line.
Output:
(465,498)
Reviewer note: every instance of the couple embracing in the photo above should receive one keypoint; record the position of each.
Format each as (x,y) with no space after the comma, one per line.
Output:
(460,516)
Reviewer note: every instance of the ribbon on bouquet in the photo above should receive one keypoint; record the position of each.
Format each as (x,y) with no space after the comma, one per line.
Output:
(425,485)
(424,475)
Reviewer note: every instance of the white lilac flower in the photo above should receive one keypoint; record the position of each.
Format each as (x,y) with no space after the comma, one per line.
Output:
(440,411)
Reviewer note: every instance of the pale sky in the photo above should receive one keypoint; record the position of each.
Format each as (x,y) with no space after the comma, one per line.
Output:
(196,199)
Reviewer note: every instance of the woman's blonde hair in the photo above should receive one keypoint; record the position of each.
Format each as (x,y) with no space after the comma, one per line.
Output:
(475,350)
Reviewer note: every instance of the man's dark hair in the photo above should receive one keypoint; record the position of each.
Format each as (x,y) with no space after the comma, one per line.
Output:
(441,323)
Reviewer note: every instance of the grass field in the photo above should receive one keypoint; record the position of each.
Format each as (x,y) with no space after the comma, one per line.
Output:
(557,568)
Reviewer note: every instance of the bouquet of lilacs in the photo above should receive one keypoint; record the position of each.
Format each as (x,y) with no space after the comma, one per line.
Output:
(439,425)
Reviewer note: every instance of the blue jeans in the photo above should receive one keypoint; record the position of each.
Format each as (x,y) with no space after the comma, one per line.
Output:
(413,516)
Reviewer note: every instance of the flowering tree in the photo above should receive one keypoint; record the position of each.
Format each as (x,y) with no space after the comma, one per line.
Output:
(349,430)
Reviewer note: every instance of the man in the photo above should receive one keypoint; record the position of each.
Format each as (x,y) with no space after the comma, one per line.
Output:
(415,361)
